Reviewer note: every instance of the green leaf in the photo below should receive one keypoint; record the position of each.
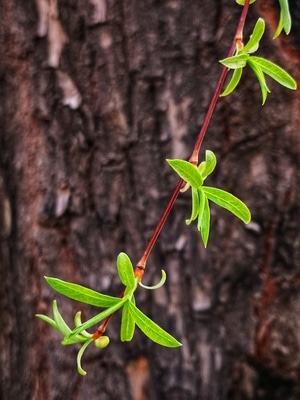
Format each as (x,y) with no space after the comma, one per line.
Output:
(285,22)
(78,322)
(81,293)
(234,62)
(242,2)
(195,206)
(151,329)
(204,218)
(261,80)
(234,81)
(275,72)
(210,164)
(159,284)
(60,323)
(93,321)
(127,323)
(252,45)
(187,171)
(79,356)
(125,270)
(48,320)
(229,202)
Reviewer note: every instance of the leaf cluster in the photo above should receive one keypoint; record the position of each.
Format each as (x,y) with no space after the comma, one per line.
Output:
(201,195)
(259,65)
(132,316)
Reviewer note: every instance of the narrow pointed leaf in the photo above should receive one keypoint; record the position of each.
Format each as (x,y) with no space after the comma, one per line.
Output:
(60,322)
(195,206)
(252,45)
(234,62)
(81,293)
(261,80)
(204,218)
(275,72)
(127,324)
(229,202)
(49,321)
(279,27)
(210,164)
(93,321)
(285,21)
(234,81)
(201,206)
(151,329)
(78,322)
(125,270)
(187,171)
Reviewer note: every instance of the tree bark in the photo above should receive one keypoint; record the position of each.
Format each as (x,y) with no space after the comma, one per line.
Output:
(94,96)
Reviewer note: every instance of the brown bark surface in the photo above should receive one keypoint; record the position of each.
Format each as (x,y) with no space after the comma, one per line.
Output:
(94,96)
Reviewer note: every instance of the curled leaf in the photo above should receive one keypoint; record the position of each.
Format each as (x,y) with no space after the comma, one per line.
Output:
(159,284)
(79,356)
(185,188)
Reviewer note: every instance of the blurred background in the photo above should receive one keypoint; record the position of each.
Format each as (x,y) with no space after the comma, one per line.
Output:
(94,96)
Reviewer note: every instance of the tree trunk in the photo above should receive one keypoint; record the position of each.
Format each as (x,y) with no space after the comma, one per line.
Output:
(95,95)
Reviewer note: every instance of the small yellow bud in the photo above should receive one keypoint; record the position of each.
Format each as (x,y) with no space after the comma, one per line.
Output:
(101,342)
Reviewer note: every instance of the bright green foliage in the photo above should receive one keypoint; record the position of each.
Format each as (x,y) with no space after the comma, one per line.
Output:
(131,315)
(260,66)
(201,194)
(229,202)
(234,81)
(127,323)
(125,271)
(285,22)
(201,197)
(187,172)
(81,293)
(151,329)
(159,284)
(252,45)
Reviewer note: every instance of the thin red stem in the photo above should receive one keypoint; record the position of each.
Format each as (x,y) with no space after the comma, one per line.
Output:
(236,42)
(143,260)
(141,265)
(195,153)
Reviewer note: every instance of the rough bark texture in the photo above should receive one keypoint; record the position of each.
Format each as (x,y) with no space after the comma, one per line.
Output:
(94,96)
